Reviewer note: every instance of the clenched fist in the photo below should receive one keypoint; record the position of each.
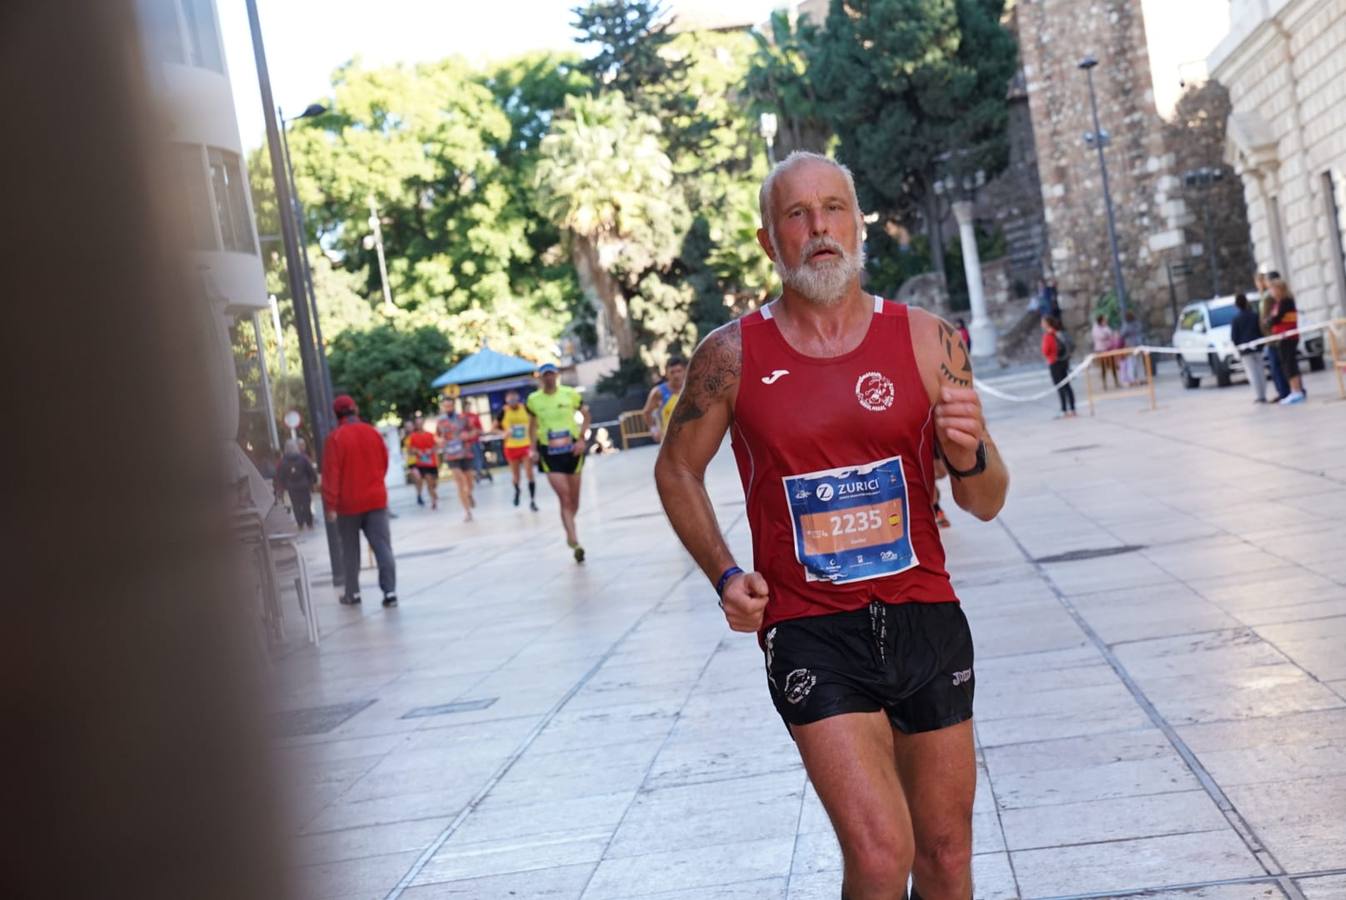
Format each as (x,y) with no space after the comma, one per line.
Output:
(959,425)
(744,601)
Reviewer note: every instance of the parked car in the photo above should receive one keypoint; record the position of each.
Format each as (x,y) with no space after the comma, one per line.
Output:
(1204,347)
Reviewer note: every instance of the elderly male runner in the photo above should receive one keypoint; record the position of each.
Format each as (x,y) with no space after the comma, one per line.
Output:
(838,403)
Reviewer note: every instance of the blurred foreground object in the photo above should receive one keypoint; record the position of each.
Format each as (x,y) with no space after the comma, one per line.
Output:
(134,762)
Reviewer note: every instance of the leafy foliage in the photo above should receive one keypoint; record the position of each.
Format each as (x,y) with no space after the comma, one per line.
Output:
(388,370)
(441,159)
(778,82)
(654,179)
(915,91)
(635,58)
(615,197)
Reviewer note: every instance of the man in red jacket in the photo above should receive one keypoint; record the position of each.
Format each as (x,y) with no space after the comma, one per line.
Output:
(354,464)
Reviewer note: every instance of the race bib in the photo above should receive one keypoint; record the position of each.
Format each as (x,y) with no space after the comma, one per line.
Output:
(518,432)
(850,524)
(425,457)
(559,442)
(453,448)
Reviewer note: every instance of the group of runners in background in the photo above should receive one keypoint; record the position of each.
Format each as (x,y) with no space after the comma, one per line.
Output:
(548,428)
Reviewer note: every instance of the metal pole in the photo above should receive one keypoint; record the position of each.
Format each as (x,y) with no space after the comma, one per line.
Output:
(1172,292)
(268,404)
(1210,247)
(1118,283)
(1149,380)
(377,226)
(313,388)
(310,295)
(280,336)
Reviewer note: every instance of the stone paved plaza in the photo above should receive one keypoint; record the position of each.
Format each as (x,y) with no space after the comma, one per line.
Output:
(1160,624)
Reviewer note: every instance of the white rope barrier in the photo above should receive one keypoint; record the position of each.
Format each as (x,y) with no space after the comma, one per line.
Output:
(996,392)
(1133,351)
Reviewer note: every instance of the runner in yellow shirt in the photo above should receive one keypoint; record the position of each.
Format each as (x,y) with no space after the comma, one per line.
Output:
(664,396)
(518,449)
(559,444)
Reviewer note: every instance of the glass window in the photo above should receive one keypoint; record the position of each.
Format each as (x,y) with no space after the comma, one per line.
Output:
(1222,315)
(191,178)
(204,36)
(162,31)
(1191,319)
(231,201)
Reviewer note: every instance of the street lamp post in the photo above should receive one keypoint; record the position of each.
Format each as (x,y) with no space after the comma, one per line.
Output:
(310,295)
(768,125)
(1203,179)
(1099,139)
(375,240)
(308,349)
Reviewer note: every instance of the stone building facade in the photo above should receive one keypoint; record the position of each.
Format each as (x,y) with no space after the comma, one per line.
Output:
(1222,260)
(1284,63)
(1054,36)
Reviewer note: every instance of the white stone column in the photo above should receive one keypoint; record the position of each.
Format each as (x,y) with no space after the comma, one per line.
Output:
(981,328)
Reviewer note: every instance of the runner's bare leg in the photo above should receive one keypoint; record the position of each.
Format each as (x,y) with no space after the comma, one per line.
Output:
(462,480)
(849,759)
(938,771)
(561,484)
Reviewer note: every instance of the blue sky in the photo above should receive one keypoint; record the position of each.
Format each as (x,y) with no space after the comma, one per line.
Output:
(307,39)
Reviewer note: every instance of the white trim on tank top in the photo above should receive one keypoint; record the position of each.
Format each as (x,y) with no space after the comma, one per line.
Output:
(878,306)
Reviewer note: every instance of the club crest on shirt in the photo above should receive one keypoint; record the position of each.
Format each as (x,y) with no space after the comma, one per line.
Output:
(874,391)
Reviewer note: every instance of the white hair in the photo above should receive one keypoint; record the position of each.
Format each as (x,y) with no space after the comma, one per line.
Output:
(824,285)
(798,157)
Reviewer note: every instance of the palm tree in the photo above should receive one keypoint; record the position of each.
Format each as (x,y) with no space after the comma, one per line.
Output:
(604,178)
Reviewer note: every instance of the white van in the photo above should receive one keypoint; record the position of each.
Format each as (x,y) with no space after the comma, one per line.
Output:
(1204,348)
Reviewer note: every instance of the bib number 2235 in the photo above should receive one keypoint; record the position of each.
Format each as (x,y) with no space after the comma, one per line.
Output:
(850,523)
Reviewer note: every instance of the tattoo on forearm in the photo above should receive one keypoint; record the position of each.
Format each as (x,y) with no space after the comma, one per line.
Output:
(714,369)
(956,366)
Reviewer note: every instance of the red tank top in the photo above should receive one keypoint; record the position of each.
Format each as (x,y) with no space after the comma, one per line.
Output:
(837,461)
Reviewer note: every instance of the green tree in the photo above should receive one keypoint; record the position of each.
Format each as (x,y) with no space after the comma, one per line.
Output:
(604,178)
(388,370)
(914,90)
(634,40)
(426,144)
(677,274)
(778,83)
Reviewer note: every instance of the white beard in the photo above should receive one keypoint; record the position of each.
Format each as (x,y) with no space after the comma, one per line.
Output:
(825,282)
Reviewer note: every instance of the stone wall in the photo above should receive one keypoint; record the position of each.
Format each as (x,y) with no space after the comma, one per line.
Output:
(1196,138)
(1054,35)
(1287,85)
(1011,203)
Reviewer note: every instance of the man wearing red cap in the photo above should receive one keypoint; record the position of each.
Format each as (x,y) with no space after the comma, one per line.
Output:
(354,464)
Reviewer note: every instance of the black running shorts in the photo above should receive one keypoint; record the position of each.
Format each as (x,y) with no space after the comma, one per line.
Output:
(558,463)
(911,660)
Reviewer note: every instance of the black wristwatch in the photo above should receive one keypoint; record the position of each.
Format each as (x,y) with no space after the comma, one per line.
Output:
(977,469)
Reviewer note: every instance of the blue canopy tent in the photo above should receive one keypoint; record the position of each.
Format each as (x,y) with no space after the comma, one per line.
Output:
(487,372)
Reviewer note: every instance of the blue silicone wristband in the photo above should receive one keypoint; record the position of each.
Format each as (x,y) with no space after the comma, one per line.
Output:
(724,579)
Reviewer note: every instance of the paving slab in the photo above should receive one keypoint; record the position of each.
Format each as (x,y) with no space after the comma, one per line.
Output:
(596,731)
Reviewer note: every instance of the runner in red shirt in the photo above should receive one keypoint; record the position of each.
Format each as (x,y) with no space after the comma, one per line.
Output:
(456,432)
(424,451)
(838,403)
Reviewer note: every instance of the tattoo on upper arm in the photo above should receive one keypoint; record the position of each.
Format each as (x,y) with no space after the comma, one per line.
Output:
(714,370)
(956,364)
